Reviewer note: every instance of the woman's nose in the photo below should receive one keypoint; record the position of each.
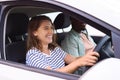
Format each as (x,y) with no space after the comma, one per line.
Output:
(50,30)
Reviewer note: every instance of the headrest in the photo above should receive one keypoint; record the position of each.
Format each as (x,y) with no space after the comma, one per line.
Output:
(16,24)
(62,21)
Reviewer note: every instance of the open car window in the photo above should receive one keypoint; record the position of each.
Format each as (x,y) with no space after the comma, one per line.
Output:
(16,34)
(16,30)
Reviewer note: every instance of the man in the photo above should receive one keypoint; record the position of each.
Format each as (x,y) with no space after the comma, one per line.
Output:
(77,41)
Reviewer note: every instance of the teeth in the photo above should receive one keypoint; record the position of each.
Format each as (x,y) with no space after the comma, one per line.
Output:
(49,36)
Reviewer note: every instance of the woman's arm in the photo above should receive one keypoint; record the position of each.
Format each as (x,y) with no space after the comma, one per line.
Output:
(75,62)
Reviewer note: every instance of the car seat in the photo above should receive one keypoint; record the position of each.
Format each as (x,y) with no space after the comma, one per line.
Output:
(16,27)
(61,21)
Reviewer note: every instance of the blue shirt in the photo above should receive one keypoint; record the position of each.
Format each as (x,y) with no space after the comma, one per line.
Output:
(36,58)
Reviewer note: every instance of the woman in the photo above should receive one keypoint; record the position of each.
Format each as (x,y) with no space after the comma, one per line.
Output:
(43,51)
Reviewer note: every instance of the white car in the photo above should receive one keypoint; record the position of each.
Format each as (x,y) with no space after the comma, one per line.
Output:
(102,18)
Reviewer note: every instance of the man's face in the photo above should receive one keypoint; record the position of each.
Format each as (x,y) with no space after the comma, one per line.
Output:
(78,25)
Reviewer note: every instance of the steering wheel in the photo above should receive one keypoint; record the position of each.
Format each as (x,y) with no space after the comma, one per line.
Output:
(105,48)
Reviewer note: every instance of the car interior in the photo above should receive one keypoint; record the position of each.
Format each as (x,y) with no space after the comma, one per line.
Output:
(15,37)
(61,21)
(16,30)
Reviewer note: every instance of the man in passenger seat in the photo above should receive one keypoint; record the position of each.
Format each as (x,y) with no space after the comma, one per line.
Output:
(77,41)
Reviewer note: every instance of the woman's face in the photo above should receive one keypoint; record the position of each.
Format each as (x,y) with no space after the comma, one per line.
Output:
(45,32)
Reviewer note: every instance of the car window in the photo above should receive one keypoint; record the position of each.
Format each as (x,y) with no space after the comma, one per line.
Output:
(53,15)
(92,31)
(16,34)
(16,45)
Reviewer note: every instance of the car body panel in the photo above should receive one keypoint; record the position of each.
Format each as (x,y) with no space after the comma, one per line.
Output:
(12,71)
(110,70)
(102,15)
(7,73)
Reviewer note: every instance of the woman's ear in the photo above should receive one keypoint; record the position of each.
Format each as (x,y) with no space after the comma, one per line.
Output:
(35,33)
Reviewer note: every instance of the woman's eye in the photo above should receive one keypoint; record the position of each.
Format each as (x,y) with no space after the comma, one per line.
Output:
(52,27)
(46,28)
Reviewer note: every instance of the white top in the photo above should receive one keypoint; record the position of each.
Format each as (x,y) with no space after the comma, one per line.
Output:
(36,58)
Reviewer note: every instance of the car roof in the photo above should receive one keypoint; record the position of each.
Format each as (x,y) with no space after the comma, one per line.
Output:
(106,10)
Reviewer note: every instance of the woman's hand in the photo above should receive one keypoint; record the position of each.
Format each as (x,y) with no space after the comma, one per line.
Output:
(88,60)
